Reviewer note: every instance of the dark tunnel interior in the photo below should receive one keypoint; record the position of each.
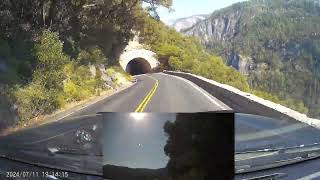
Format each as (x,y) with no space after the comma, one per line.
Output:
(138,66)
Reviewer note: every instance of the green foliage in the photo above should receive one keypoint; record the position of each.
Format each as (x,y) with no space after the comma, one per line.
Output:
(49,51)
(5,51)
(42,95)
(57,80)
(294,104)
(92,56)
(282,38)
(80,83)
(121,71)
(178,52)
(110,71)
(49,61)
(34,100)
(182,53)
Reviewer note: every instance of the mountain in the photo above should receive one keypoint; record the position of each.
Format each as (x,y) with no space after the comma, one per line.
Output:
(275,43)
(185,23)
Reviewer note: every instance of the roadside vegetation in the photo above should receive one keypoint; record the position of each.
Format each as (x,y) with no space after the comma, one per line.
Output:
(280,41)
(179,52)
(53,53)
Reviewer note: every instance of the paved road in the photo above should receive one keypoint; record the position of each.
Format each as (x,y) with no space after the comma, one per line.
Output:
(172,94)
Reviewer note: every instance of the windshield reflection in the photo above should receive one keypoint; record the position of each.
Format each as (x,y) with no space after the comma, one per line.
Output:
(72,145)
(167,145)
(263,143)
(258,133)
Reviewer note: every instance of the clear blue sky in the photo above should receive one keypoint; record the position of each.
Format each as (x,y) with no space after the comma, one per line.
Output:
(185,8)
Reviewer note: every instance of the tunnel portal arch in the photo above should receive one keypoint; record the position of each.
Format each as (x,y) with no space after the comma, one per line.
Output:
(139,61)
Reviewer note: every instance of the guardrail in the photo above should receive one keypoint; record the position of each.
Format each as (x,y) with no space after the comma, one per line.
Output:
(243,102)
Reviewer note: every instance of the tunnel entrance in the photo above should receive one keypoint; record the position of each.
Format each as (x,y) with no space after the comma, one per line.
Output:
(138,66)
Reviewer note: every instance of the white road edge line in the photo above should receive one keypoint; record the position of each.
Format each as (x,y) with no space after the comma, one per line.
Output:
(206,94)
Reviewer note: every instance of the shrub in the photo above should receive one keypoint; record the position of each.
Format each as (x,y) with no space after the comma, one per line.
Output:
(49,51)
(92,55)
(110,71)
(71,90)
(34,100)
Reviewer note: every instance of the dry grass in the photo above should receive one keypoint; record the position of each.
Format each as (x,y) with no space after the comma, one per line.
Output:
(43,119)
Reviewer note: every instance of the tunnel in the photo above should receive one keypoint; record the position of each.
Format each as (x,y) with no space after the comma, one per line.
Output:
(138,66)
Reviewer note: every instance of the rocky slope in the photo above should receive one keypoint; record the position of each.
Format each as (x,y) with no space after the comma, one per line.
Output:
(276,43)
(185,23)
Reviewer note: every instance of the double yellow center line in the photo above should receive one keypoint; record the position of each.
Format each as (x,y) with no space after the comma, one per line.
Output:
(147,99)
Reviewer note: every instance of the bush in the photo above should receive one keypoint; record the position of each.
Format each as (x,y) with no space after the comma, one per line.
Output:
(110,71)
(92,55)
(120,70)
(34,100)
(49,51)
(80,84)
(71,90)
(57,79)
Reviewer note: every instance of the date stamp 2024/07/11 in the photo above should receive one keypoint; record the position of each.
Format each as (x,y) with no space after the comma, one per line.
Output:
(36,174)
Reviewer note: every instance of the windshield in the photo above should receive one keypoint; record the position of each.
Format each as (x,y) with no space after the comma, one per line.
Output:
(66,59)
(263,143)
(167,146)
(259,133)
(70,146)
(125,146)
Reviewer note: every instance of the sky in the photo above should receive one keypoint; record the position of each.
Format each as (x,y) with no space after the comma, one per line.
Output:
(185,8)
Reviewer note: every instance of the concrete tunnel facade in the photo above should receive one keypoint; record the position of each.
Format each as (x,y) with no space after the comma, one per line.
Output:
(138,61)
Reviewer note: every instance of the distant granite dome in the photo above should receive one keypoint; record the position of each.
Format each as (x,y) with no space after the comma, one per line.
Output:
(275,43)
(186,23)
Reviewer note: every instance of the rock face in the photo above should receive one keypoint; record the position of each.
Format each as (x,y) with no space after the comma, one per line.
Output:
(275,43)
(218,28)
(246,22)
(242,63)
(186,23)
(223,26)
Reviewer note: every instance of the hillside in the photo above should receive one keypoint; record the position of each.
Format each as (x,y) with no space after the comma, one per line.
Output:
(55,53)
(186,23)
(275,43)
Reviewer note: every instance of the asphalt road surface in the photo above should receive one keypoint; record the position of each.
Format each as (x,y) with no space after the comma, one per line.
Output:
(158,93)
